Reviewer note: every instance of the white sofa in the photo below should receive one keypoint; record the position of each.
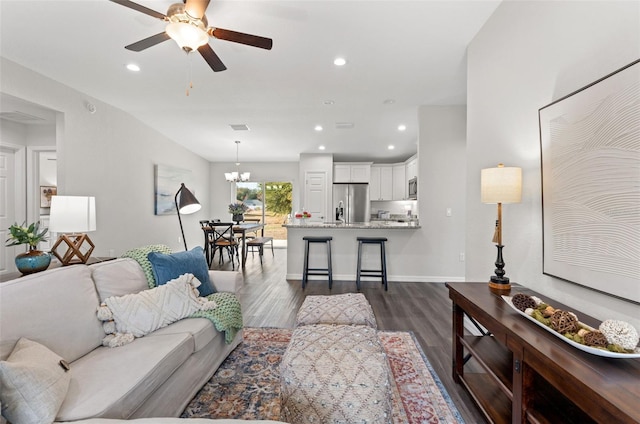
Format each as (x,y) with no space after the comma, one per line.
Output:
(155,376)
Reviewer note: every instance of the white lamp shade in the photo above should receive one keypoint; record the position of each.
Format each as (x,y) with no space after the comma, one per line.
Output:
(501,185)
(72,214)
(187,35)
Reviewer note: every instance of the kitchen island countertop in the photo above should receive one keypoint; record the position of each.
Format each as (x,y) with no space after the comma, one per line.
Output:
(381,225)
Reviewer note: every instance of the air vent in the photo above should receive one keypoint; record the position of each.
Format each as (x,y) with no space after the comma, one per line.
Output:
(20,117)
(239,127)
(344,125)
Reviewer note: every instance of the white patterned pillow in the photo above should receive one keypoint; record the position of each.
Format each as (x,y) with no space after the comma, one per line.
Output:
(33,383)
(142,313)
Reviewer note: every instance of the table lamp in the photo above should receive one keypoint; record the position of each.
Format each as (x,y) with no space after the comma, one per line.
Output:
(500,185)
(73,216)
(187,204)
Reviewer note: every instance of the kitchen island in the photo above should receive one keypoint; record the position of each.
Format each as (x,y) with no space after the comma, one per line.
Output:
(344,248)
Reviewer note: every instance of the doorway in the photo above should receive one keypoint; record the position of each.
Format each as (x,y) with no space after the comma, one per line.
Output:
(271,203)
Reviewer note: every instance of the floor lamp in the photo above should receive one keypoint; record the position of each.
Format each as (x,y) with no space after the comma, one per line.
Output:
(73,216)
(187,204)
(500,185)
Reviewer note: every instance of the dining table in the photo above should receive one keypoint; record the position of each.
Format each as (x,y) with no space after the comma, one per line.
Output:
(244,228)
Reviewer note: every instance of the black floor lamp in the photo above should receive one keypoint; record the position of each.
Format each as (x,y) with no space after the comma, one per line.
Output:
(187,204)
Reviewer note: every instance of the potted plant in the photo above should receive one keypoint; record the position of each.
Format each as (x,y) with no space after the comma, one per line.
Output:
(33,260)
(237,210)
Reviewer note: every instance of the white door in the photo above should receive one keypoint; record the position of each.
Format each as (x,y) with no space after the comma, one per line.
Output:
(7,209)
(315,194)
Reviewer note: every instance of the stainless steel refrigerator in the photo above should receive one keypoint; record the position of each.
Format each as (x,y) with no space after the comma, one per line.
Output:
(351,202)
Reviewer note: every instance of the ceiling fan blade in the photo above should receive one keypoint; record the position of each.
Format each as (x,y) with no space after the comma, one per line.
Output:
(148,42)
(140,8)
(212,58)
(242,38)
(196,8)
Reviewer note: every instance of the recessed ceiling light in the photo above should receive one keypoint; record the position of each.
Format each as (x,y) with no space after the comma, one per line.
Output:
(329,102)
(402,127)
(321,147)
(340,61)
(391,147)
(389,102)
(133,67)
(318,128)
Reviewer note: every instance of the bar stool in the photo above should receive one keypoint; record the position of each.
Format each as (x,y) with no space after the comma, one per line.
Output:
(382,272)
(316,271)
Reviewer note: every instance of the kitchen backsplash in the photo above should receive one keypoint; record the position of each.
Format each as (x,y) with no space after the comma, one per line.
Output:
(394,208)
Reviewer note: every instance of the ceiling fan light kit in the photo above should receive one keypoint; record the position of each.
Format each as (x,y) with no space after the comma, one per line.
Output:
(187,25)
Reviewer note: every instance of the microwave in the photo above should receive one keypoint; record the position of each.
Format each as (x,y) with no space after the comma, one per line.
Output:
(413,188)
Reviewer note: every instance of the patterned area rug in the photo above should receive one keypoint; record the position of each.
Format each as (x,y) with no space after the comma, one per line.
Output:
(247,386)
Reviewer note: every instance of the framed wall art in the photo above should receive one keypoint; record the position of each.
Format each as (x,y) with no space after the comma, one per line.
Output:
(45,195)
(590,153)
(167,183)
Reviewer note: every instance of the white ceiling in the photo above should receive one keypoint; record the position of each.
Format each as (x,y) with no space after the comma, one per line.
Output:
(413,52)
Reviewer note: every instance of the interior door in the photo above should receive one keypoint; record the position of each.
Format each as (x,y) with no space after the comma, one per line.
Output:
(7,209)
(315,195)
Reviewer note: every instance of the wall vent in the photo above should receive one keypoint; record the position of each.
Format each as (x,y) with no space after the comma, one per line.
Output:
(344,125)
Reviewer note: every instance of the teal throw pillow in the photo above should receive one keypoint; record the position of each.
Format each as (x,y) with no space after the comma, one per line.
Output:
(167,267)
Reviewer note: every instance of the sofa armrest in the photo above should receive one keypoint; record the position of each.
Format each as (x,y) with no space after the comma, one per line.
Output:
(226,281)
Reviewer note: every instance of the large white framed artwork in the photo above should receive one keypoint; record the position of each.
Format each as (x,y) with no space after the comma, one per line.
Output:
(590,152)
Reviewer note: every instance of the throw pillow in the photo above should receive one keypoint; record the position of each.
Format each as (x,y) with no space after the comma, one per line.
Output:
(141,313)
(167,267)
(33,383)
(139,254)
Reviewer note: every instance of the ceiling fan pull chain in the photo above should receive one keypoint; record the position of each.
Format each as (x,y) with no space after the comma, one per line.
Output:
(189,74)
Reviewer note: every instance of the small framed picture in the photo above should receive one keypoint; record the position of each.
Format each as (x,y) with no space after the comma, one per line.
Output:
(45,195)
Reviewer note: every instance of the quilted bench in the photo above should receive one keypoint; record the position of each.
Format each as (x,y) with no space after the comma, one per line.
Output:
(334,369)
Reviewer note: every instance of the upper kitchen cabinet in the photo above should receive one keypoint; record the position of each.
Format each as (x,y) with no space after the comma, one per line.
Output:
(412,168)
(381,185)
(399,191)
(352,172)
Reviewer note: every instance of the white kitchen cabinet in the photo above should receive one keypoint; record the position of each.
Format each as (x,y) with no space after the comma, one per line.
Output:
(356,172)
(412,168)
(381,185)
(399,186)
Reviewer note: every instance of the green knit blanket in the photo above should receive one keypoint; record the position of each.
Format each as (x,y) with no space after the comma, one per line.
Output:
(226,317)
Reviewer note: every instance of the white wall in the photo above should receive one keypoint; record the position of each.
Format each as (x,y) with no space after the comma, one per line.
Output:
(222,192)
(111,155)
(441,185)
(527,55)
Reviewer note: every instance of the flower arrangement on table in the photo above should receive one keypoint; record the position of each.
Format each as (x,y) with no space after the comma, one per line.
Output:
(237,208)
(23,234)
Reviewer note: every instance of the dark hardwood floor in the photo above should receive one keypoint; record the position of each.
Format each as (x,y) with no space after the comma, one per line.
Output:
(269,300)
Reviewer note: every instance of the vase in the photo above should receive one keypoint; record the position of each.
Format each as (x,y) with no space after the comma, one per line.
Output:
(237,217)
(33,261)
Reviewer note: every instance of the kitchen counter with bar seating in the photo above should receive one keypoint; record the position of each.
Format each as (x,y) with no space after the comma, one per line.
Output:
(344,247)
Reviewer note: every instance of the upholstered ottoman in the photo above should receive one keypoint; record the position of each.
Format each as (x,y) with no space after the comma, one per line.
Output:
(350,308)
(335,374)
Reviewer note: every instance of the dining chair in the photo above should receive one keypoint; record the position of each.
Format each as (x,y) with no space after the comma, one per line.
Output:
(223,239)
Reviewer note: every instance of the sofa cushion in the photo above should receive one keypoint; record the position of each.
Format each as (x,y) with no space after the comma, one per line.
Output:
(201,329)
(139,254)
(33,383)
(56,308)
(146,311)
(118,277)
(113,383)
(167,267)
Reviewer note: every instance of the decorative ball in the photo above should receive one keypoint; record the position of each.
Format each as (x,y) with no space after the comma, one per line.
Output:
(523,301)
(595,339)
(564,322)
(620,333)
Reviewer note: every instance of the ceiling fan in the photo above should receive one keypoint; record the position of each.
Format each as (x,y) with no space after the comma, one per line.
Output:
(187,24)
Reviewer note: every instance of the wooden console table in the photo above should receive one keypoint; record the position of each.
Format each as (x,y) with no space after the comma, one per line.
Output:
(520,373)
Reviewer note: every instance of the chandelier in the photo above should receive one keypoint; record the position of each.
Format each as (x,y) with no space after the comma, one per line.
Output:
(237,176)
